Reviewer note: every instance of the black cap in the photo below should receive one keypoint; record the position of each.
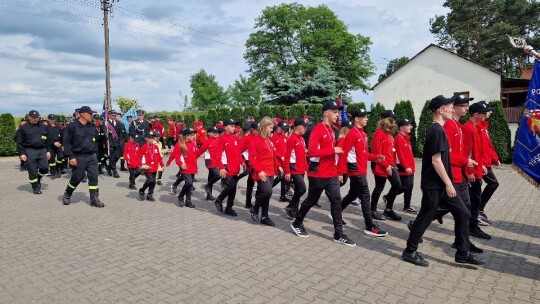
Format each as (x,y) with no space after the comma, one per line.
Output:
(77,110)
(187,131)
(86,109)
(95,116)
(480,107)
(112,112)
(347,124)
(246,127)
(51,117)
(300,122)
(33,113)
(388,114)
(254,125)
(283,125)
(439,101)
(221,130)
(229,122)
(460,99)
(140,112)
(129,116)
(404,122)
(359,113)
(331,105)
(487,105)
(212,129)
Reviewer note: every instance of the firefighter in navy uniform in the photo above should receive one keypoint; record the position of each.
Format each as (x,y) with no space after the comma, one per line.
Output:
(33,146)
(124,137)
(80,147)
(115,145)
(101,142)
(55,148)
(139,128)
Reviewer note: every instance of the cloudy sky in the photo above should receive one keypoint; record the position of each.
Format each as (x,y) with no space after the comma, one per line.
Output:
(52,51)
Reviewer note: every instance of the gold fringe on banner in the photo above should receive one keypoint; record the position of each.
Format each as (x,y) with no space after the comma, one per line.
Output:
(526,176)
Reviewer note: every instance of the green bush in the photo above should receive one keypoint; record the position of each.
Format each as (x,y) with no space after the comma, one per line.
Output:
(500,132)
(296,110)
(280,111)
(212,116)
(223,113)
(189,119)
(8,146)
(315,111)
(426,118)
(252,110)
(373,118)
(355,106)
(404,110)
(265,110)
(237,113)
(204,120)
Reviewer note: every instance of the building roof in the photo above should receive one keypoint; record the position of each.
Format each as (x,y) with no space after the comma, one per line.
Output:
(439,47)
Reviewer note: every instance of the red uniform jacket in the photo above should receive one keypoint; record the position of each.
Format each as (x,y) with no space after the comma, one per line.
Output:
(158,126)
(472,148)
(383,144)
(404,154)
(244,145)
(295,155)
(228,143)
(150,155)
(458,158)
(322,157)
(189,158)
(201,132)
(210,151)
(261,157)
(173,133)
(130,154)
(280,144)
(355,157)
(489,155)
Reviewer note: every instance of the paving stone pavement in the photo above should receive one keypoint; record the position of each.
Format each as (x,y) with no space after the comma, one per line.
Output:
(156,252)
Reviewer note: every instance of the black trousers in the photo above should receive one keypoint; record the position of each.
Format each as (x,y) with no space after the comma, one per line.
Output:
(101,155)
(264,193)
(285,185)
(407,185)
(359,189)
(250,184)
(57,156)
(380,181)
(297,180)
(430,201)
(133,174)
(38,166)
(86,164)
(213,177)
(316,187)
(491,185)
(150,182)
(475,193)
(188,185)
(114,155)
(229,191)
(171,142)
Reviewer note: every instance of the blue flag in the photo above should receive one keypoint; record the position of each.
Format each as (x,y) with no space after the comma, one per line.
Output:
(527,146)
(131,112)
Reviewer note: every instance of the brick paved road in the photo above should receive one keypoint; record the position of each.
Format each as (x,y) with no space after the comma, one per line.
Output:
(143,252)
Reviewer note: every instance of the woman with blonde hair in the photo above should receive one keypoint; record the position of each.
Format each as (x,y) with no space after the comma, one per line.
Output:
(263,163)
(383,144)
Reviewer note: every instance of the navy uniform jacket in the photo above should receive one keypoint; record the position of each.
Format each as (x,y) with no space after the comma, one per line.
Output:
(34,136)
(139,129)
(79,139)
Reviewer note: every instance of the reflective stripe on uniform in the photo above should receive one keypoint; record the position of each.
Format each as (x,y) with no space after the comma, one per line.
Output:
(92,187)
(71,186)
(52,165)
(43,137)
(40,174)
(33,181)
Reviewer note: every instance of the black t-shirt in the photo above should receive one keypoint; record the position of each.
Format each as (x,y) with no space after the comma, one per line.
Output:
(436,142)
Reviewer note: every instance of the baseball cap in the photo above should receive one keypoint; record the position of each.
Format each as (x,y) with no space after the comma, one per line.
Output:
(86,109)
(112,112)
(254,125)
(299,122)
(404,122)
(187,131)
(388,114)
(229,122)
(347,124)
(439,101)
(51,116)
(480,107)
(33,113)
(140,112)
(283,125)
(246,127)
(212,129)
(461,99)
(359,113)
(487,105)
(331,105)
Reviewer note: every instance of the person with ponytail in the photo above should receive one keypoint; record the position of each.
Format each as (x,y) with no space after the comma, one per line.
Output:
(185,155)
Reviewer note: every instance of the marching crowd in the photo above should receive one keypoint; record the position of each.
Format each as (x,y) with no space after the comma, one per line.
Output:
(456,159)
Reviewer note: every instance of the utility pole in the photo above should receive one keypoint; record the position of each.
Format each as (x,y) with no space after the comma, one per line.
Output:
(106,6)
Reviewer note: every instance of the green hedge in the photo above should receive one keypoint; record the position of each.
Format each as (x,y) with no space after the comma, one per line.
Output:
(280,111)
(296,110)
(373,118)
(404,110)
(425,121)
(8,146)
(252,110)
(500,132)
(315,111)
(237,113)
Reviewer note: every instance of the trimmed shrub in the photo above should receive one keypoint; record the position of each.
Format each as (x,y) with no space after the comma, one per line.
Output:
(223,113)
(425,121)
(500,132)
(252,110)
(265,110)
(204,120)
(404,110)
(296,110)
(8,146)
(212,116)
(355,106)
(374,117)
(315,111)
(280,111)
(237,113)
(189,119)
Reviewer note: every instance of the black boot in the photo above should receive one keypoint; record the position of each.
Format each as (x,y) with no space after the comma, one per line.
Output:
(100,169)
(94,199)
(188,201)
(58,171)
(150,197)
(52,172)
(208,191)
(115,174)
(132,186)
(123,165)
(141,194)
(67,195)
(109,171)
(36,188)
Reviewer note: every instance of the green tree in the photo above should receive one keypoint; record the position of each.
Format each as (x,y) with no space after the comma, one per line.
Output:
(124,103)
(297,39)
(252,110)
(425,121)
(245,92)
(204,119)
(404,110)
(315,111)
(265,110)
(207,93)
(393,65)
(212,116)
(280,111)
(237,113)
(223,113)
(500,132)
(296,110)
(8,146)
(373,118)
(477,30)
(355,106)
(189,119)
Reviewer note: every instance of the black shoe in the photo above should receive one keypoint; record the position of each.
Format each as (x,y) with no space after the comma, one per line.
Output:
(115,174)
(173,190)
(477,232)
(410,210)
(132,187)
(150,197)
(254,215)
(37,191)
(192,188)
(189,204)
(299,230)
(414,258)
(210,198)
(109,172)
(391,214)
(141,195)
(66,200)
(439,219)
(409,225)
(343,239)
(316,205)
(181,202)
(219,206)
(267,221)
(472,248)
(249,205)
(230,211)
(97,204)
(123,169)
(284,199)
(342,220)
(159,182)
(376,215)
(468,258)
(482,215)
(291,214)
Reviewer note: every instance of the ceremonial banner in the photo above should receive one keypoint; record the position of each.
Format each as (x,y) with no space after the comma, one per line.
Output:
(131,112)
(526,158)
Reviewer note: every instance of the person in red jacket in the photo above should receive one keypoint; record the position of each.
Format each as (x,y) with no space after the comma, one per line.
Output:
(405,162)
(185,155)
(201,133)
(150,157)
(173,134)
(353,163)
(489,158)
(383,143)
(295,165)
(473,148)
(279,139)
(322,174)
(131,150)
(244,148)
(263,162)
(211,154)
(229,167)
(244,144)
